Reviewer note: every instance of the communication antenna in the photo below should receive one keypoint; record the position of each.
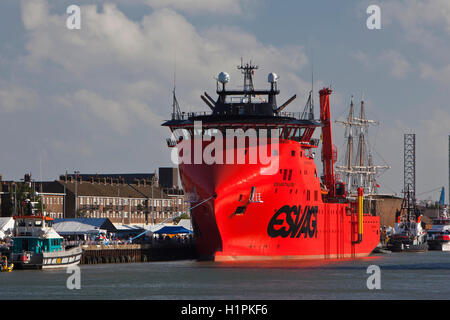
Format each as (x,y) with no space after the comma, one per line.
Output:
(176,112)
(312,86)
(248,71)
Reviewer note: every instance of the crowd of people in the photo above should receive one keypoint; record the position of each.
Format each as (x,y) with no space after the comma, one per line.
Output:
(154,239)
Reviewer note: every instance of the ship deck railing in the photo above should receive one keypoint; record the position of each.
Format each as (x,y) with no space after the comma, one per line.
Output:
(188,115)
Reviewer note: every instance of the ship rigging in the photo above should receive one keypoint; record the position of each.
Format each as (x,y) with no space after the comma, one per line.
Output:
(357,169)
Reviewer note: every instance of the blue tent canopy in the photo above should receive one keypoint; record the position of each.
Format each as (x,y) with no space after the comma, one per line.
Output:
(172,230)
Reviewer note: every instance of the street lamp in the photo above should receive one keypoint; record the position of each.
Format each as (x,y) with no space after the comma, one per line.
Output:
(76,192)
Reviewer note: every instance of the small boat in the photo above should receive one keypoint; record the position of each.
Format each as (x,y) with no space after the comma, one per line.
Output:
(408,236)
(5,266)
(37,245)
(438,237)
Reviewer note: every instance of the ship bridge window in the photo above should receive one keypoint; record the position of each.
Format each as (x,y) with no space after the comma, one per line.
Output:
(293,153)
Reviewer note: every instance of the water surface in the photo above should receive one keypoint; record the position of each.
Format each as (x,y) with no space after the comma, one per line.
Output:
(403,276)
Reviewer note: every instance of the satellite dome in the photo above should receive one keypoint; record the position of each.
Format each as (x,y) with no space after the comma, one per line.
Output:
(272,77)
(223,77)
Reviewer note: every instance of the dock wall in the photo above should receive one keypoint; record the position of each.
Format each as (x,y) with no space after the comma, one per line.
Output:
(94,254)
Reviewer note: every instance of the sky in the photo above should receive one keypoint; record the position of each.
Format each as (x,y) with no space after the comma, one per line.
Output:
(93,99)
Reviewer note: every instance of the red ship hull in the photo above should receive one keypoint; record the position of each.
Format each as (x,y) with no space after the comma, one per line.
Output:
(291,220)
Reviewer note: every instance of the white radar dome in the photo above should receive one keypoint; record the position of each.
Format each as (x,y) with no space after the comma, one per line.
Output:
(223,77)
(272,77)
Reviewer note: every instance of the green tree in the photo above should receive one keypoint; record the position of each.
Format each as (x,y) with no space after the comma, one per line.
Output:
(7,208)
(24,193)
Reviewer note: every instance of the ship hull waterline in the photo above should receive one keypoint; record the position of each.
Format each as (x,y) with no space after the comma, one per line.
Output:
(49,260)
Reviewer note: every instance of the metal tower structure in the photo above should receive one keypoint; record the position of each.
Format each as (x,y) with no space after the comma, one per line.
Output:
(248,70)
(358,169)
(409,169)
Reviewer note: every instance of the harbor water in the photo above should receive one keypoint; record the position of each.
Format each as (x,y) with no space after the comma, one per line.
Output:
(402,276)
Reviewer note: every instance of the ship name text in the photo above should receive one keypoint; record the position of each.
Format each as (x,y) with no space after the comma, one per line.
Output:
(294,221)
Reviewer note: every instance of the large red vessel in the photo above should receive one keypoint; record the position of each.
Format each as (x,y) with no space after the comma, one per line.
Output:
(274,207)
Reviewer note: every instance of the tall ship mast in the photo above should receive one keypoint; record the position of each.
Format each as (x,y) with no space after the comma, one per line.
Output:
(248,169)
(358,169)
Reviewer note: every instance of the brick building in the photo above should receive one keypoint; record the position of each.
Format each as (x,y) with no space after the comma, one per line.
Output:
(116,197)
(126,198)
(53,204)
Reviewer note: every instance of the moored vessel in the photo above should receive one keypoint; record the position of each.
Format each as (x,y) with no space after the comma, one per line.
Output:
(248,168)
(36,245)
(438,237)
(409,235)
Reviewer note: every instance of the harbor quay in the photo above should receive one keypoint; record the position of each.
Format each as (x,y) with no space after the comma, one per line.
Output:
(128,253)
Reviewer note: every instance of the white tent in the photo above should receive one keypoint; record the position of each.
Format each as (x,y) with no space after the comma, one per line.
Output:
(186,223)
(6,226)
(67,228)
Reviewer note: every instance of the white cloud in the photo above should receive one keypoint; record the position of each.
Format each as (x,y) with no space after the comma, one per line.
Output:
(398,65)
(415,15)
(391,60)
(34,13)
(423,23)
(17,98)
(111,48)
(440,75)
(104,90)
(220,7)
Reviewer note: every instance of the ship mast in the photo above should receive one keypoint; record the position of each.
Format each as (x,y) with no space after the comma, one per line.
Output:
(248,70)
(358,169)
(176,112)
